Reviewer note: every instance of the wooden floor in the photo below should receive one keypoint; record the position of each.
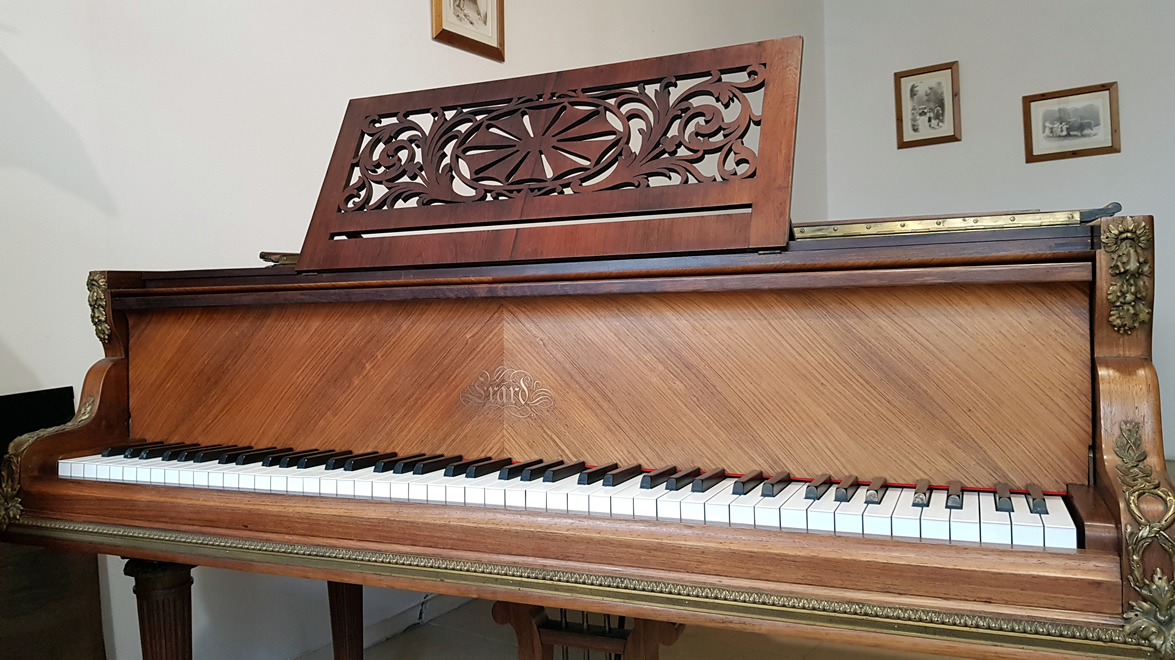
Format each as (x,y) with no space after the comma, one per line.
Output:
(470,632)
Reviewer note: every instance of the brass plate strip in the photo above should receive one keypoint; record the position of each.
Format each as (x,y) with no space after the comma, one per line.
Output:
(973,222)
(1020,633)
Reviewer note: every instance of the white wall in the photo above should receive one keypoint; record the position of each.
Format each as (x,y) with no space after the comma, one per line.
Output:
(164,135)
(1007,49)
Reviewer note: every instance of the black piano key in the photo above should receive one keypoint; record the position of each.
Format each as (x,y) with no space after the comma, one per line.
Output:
(876,490)
(596,474)
(173,453)
(658,476)
(364,462)
(289,460)
(407,465)
(682,478)
(776,484)
(818,486)
(231,456)
(258,455)
(209,455)
(136,450)
(1036,502)
(921,493)
(514,471)
(846,488)
(1003,498)
(159,450)
(954,495)
(489,467)
(621,475)
(459,468)
(389,465)
(709,480)
(121,450)
(321,459)
(748,482)
(436,464)
(561,472)
(538,472)
(188,454)
(340,462)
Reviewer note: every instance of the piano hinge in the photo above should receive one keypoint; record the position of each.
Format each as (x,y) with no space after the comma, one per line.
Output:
(962,223)
(280,258)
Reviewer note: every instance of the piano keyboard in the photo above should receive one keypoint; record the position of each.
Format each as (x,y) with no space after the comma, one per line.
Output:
(845,507)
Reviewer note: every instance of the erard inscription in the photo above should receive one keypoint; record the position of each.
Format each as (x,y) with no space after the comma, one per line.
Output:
(512,390)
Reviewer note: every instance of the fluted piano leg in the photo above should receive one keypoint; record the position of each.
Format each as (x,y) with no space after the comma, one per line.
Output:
(346,619)
(164,594)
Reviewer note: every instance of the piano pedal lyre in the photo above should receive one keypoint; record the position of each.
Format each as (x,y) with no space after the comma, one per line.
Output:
(538,635)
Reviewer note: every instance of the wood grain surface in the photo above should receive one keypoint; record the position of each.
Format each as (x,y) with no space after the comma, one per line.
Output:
(896,381)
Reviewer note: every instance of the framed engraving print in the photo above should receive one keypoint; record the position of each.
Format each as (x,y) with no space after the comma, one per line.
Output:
(926,101)
(477,26)
(1071,123)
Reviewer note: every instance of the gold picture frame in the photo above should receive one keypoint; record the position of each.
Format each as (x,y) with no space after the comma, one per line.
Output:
(477,26)
(1071,123)
(926,102)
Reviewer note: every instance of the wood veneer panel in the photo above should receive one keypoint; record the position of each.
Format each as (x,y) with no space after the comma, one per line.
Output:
(981,383)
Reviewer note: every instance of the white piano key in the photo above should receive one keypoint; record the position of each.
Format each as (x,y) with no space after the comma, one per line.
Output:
(936,517)
(742,509)
(438,489)
(536,495)
(515,493)
(693,508)
(495,493)
(995,527)
(65,468)
(579,500)
(822,512)
(669,504)
(849,514)
(1059,530)
(1027,528)
(906,517)
(717,508)
(965,521)
(767,510)
(418,487)
(793,514)
(557,497)
(877,519)
(470,492)
(644,503)
(620,501)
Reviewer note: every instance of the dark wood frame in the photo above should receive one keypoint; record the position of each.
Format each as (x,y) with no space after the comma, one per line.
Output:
(1115,138)
(439,33)
(955,107)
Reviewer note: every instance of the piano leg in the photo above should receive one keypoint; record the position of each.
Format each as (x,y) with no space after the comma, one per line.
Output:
(346,619)
(164,594)
(525,619)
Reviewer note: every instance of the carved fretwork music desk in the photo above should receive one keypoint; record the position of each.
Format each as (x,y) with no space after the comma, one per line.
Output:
(524,312)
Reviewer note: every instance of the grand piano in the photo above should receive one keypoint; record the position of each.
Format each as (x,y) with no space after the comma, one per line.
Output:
(554,341)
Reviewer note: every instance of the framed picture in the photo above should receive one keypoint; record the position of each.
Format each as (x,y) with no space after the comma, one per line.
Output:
(1070,123)
(477,26)
(927,104)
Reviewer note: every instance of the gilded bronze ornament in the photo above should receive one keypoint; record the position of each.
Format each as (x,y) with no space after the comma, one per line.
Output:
(96,284)
(1126,242)
(10,508)
(1151,619)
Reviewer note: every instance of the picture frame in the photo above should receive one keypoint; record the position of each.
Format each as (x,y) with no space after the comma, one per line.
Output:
(927,107)
(477,26)
(1071,123)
